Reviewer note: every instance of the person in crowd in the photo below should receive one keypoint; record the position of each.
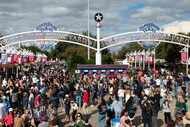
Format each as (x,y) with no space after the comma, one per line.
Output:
(111,89)
(25,100)
(67,107)
(39,93)
(121,94)
(74,109)
(102,108)
(79,121)
(30,100)
(124,121)
(167,111)
(186,119)
(117,106)
(9,118)
(2,108)
(86,99)
(147,112)
(18,120)
(110,113)
(181,104)
(78,95)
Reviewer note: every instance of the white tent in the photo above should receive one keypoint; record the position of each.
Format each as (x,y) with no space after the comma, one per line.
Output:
(125,61)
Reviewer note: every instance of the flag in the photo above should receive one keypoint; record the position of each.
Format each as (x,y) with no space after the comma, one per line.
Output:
(3,58)
(184,55)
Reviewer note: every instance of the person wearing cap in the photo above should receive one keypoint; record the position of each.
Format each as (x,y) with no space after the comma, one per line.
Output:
(9,118)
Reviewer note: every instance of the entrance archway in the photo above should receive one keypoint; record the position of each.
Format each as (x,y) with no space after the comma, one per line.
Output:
(55,36)
(96,44)
(129,37)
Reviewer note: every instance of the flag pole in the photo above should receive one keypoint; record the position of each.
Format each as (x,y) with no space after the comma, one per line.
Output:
(88,30)
(143,58)
(187,60)
(135,59)
(154,63)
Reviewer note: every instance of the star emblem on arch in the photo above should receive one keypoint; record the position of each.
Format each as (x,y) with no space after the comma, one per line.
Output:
(98,17)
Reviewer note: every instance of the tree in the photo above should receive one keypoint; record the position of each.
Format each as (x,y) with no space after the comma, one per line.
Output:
(74,60)
(35,49)
(129,48)
(169,52)
(66,51)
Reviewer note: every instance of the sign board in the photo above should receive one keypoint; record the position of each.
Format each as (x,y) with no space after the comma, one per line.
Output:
(149,27)
(47,26)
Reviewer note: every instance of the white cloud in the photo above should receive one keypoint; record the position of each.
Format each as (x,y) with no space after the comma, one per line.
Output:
(55,11)
(153,13)
(177,26)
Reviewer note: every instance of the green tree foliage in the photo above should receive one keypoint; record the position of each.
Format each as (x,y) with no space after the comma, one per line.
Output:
(35,49)
(169,52)
(74,60)
(128,48)
(69,52)
(107,59)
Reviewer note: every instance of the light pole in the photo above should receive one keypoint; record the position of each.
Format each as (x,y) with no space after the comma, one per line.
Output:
(135,53)
(98,53)
(88,29)
(98,18)
(143,58)
(154,53)
(148,58)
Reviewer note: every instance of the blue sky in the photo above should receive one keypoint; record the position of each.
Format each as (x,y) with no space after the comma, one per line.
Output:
(71,15)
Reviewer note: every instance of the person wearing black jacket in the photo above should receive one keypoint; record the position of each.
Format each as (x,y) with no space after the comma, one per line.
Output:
(147,113)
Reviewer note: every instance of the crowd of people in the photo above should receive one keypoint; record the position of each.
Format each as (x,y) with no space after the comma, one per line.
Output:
(50,96)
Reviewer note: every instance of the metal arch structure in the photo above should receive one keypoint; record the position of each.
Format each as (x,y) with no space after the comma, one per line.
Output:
(147,36)
(97,44)
(129,37)
(56,36)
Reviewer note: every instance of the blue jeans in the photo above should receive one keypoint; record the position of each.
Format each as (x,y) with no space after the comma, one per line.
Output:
(79,101)
(101,120)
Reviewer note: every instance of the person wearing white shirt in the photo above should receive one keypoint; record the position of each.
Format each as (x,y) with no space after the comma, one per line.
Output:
(4,83)
(117,107)
(167,111)
(121,94)
(2,109)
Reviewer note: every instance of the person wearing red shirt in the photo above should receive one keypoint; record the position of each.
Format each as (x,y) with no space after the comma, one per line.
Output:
(37,101)
(9,118)
(85,97)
